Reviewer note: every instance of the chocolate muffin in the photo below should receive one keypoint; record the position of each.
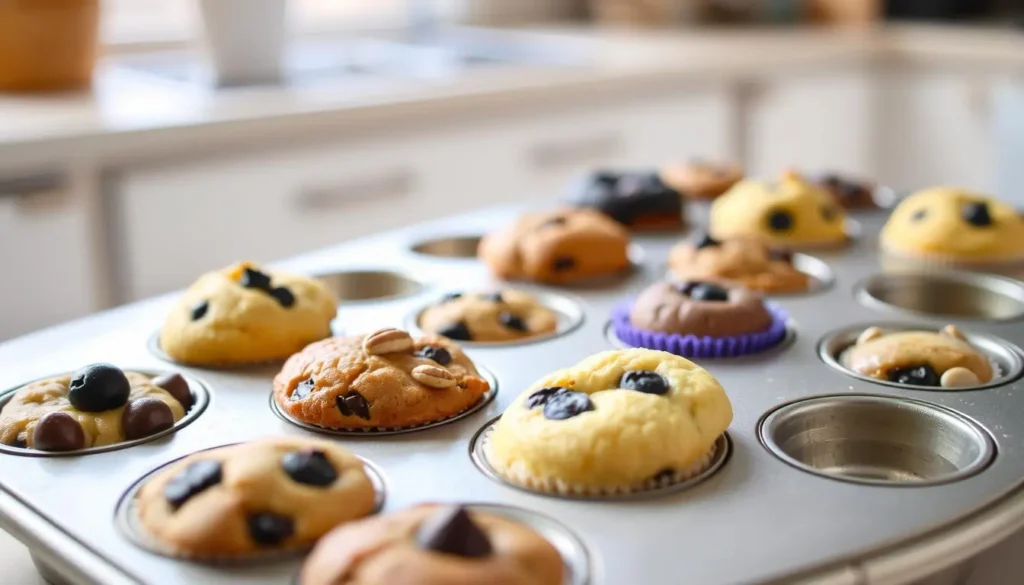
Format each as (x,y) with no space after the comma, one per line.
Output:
(637,200)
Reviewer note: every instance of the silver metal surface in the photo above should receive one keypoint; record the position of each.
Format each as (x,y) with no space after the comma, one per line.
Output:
(877,440)
(569,311)
(200,398)
(956,295)
(376,432)
(369,285)
(1007,358)
(757,520)
(478,453)
(449,247)
(613,339)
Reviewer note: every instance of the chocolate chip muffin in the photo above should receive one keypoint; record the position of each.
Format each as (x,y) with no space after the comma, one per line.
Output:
(750,262)
(617,422)
(849,192)
(700,179)
(505,315)
(557,247)
(385,379)
(272,494)
(637,200)
(919,358)
(245,314)
(96,406)
(434,545)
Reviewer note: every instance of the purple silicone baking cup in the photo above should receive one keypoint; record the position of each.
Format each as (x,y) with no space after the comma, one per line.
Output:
(691,346)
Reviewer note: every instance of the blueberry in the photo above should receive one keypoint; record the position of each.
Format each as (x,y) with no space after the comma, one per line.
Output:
(709,292)
(302,390)
(919,215)
(269,529)
(199,310)
(309,468)
(563,405)
(451,297)
(563,263)
(977,214)
(99,387)
(512,322)
(252,278)
(438,354)
(283,296)
(541,397)
(353,404)
(494,297)
(923,375)
(706,241)
(195,478)
(457,331)
(644,381)
(780,220)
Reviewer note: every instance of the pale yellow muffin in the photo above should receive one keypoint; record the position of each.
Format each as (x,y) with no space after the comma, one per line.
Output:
(791,212)
(225,319)
(594,436)
(956,226)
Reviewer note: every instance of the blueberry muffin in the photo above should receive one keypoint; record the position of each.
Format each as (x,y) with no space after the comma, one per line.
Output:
(96,406)
(955,227)
(792,212)
(637,200)
(385,379)
(700,179)
(272,494)
(920,358)
(617,422)
(750,262)
(557,247)
(244,314)
(434,545)
(505,315)
(849,192)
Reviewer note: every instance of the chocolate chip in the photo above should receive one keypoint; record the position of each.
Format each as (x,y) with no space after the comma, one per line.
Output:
(451,530)
(563,263)
(558,220)
(199,310)
(706,241)
(512,322)
(781,254)
(252,278)
(644,381)
(302,389)
(457,331)
(977,214)
(493,297)
(541,397)
(663,475)
(780,220)
(99,387)
(177,386)
(269,529)
(709,292)
(309,468)
(438,354)
(919,215)
(353,404)
(563,405)
(283,296)
(194,479)
(145,417)
(923,375)
(451,297)
(58,431)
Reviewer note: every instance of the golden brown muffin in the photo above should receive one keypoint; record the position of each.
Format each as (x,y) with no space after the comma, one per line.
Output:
(750,262)
(921,358)
(557,247)
(271,494)
(699,179)
(385,380)
(506,315)
(434,545)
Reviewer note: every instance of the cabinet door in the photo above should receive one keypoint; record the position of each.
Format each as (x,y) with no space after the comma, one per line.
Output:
(44,236)
(814,121)
(935,129)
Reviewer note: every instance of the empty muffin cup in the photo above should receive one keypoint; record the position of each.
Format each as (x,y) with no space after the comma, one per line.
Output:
(877,440)
(449,247)
(369,285)
(945,294)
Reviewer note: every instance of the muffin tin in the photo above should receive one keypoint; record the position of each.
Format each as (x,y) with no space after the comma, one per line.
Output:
(781,508)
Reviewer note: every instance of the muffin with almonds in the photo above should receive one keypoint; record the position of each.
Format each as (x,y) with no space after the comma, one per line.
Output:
(750,262)
(943,359)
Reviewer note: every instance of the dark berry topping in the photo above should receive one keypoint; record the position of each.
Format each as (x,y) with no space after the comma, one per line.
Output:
(302,389)
(451,297)
(438,354)
(563,405)
(99,387)
(451,530)
(199,310)
(512,322)
(780,220)
(923,375)
(309,468)
(563,263)
(555,221)
(703,291)
(919,215)
(58,431)
(494,297)
(540,397)
(269,529)
(176,386)
(252,278)
(457,331)
(195,478)
(977,214)
(353,404)
(145,417)
(283,296)
(644,381)
(706,241)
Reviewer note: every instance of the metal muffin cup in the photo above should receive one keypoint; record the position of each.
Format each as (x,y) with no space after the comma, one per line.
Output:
(372,284)
(717,457)
(877,440)
(569,311)
(200,399)
(1007,359)
(944,293)
(477,406)
(129,523)
(449,247)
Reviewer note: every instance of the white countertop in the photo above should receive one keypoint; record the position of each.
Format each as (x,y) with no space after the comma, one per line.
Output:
(128,117)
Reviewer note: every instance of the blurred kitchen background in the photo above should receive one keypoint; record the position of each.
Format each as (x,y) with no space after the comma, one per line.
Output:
(143,142)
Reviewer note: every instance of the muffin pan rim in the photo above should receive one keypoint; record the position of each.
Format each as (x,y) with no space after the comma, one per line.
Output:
(415,247)
(418,285)
(972,279)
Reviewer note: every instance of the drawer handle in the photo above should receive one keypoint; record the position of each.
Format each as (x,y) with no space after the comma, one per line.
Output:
(567,152)
(40,193)
(387,185)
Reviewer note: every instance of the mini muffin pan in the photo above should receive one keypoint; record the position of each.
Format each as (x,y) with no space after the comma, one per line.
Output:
(454,247)
(200,398)
(867,479)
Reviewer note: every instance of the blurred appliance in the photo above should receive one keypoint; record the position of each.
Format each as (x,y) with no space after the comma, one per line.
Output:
(937,9)
(645,12)
(244,40)
(47,45)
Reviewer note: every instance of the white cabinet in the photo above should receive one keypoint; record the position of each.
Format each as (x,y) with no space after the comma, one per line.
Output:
(44,236)
(936,128)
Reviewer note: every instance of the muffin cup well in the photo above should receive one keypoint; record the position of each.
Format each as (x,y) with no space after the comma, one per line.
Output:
(694,347)
(893,261)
